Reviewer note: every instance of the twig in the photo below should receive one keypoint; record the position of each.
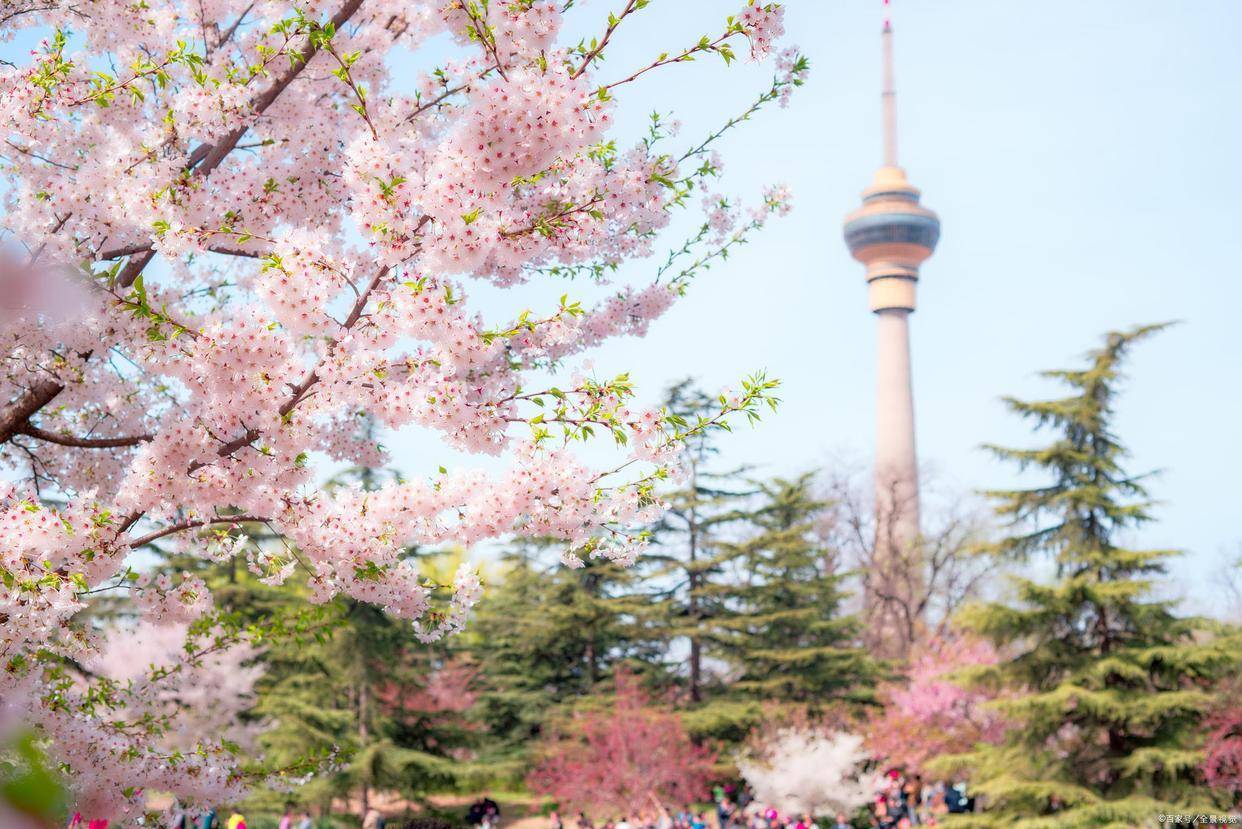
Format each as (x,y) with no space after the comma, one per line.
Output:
(182,526)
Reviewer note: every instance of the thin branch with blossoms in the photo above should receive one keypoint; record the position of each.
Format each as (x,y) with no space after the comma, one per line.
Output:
(599,44)
(791,77)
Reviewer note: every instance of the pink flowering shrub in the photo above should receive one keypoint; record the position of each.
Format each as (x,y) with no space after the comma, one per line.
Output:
(1222,763)
(928,715)
(620,760)
(247,229)
(448,688)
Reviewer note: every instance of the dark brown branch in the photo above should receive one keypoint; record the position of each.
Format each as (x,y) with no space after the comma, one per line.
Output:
(245,254)
(549,221)
(449,92)
(127,250)
(83,443)
(14,10)
(145,247)
(486,36)
(603,41)
(216,154)
(42,158)
(228,35)
(19,411)
(664,60)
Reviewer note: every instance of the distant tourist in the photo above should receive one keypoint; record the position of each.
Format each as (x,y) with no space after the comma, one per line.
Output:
(484,812)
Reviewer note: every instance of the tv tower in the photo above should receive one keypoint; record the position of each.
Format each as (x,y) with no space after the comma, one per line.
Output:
(892,234)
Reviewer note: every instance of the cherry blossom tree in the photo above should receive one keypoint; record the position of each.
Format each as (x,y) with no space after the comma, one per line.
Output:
(928,714)
(449,687)
(623,760)
(235,233)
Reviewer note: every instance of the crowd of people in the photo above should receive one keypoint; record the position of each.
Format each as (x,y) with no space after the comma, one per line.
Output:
(211,819)
(900,802)
(903,802)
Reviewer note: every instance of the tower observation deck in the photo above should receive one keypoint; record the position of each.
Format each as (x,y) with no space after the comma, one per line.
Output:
(892,233)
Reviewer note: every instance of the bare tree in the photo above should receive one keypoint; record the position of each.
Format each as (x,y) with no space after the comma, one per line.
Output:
(1227,576)
(909,589)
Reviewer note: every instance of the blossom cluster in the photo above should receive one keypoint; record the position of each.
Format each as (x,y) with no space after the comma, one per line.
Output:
(764,24)
(163,602)
(245,235)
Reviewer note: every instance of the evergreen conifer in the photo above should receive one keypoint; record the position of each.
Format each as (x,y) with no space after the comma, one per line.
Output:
(1107,687)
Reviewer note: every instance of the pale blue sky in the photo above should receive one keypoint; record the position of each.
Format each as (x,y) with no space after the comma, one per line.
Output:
(1081,157)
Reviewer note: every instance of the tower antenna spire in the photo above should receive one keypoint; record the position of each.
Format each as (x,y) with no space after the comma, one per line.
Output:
(889,93)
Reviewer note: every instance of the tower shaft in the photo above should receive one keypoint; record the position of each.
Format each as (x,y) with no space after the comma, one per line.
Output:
(896,459)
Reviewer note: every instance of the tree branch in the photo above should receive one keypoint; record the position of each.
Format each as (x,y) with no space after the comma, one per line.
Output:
(207,157)
(19,411)
(311,378)
(82,443)
(189,525)
(614,22)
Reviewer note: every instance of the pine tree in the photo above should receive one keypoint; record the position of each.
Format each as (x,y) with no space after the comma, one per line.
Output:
(786,631)
(346,689)
(686,564)
(546,636)
(1107,687)
(338,694)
